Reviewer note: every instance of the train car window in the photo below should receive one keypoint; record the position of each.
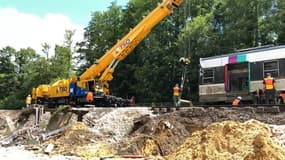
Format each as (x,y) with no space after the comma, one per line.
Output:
(282,65)
(219,75)
(256,72)
(271,67)
(208,76)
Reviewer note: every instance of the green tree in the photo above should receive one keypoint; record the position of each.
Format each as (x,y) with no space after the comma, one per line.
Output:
(45,49)
(101,34)
(14,81)
(272,24)
(7,72)
(61,62)
(24,69)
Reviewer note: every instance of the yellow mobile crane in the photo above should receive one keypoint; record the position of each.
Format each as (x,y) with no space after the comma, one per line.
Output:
(95,79)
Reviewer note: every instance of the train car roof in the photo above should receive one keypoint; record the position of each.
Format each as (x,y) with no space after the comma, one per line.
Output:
(245,55)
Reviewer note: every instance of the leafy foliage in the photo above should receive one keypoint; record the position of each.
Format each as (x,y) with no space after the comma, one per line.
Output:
(197,29)
(24,69)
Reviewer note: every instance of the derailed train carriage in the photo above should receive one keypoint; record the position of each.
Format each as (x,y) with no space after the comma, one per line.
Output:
(224,77)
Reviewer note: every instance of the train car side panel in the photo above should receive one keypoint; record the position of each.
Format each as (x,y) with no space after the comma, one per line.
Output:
(241,74)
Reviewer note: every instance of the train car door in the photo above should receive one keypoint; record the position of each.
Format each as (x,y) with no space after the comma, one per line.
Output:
(237,78)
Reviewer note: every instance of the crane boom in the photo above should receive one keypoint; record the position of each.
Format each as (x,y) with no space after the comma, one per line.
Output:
(95,79)
(124,47)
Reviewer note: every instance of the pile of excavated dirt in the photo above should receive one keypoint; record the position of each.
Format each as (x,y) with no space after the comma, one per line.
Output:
(93,151)
(8,121)
(161,135)
(116,123)
(135,131)
(4,127)
(230,140)
(157,136)
(77,135)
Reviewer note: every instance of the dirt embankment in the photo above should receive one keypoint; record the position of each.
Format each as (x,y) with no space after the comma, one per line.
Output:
(230,140)
(161,135)
(194,133)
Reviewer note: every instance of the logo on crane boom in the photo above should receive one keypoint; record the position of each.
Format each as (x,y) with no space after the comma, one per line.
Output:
(123,45)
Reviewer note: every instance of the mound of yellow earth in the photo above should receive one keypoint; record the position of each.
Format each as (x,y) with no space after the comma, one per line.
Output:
(93,152)
(73,137)
(230,140)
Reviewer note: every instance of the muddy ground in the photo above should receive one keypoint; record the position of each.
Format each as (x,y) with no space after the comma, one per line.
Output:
(136,131)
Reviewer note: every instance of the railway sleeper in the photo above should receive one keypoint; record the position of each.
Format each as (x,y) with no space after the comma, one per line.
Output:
(200,111)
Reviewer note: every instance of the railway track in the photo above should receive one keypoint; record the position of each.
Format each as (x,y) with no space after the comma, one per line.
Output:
(169,105)
(255,108)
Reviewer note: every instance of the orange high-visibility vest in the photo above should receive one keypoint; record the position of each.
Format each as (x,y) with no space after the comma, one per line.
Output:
(28,100)
(236,102)
(268,82)
(176,91)
(89,97)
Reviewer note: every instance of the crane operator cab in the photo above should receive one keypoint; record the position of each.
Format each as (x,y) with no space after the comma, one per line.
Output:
(99,90)
(96,87)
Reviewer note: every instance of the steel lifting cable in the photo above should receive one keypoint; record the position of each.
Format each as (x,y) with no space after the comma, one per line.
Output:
(186,47)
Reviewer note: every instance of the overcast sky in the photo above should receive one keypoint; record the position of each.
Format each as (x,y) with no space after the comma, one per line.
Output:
(29,23)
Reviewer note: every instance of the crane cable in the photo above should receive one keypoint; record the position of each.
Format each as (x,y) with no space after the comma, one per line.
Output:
(186,59)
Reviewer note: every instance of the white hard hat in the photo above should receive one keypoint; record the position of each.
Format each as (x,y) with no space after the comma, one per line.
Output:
(239,97)
(29,95)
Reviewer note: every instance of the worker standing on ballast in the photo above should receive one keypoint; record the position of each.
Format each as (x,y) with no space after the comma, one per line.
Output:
(176,97)
(269,88)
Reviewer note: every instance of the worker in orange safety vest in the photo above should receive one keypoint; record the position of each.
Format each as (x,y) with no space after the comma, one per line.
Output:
(28,101)
(269,88)
(89,97)
(176,95)
(236,101)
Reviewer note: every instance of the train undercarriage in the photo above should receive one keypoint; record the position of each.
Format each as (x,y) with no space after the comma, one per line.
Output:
(99,101)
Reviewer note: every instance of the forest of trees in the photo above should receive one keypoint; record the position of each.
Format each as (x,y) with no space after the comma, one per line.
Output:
(197,29)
